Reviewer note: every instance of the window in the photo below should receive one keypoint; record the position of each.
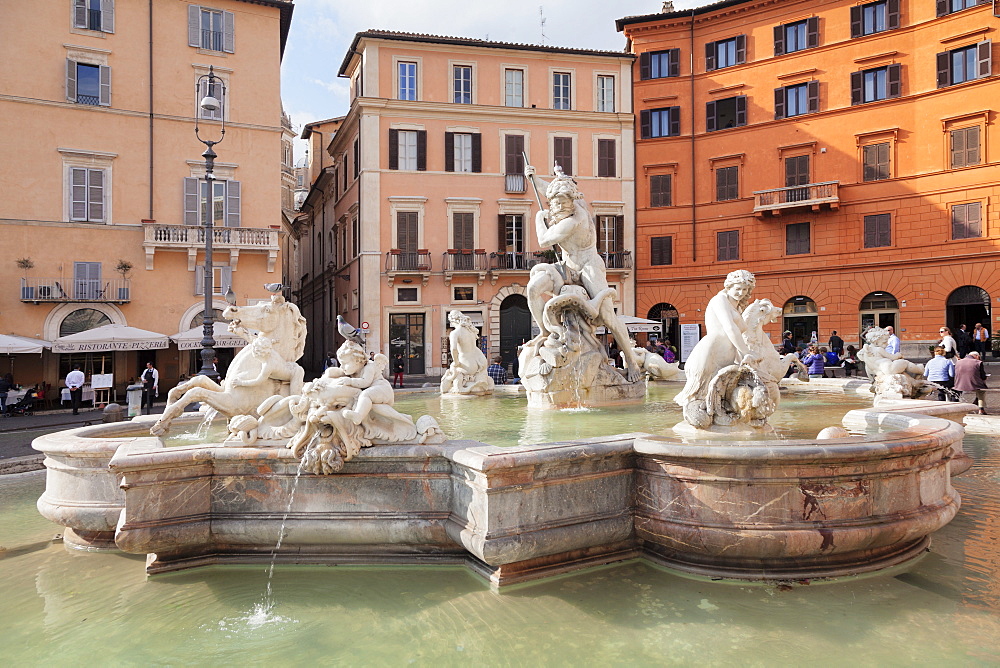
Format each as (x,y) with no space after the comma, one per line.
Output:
(607,158)
(877,230)
(964,147)
(797,36)
(663,122)
(796,100)
(661,250)
(952,6)
(94,15)
(512,233)
(966,221)
(462,84)
(407,295)
(610,233)
(225,202)
(660,190)
(463,152)
(876,162)
(561,90)
(211,29)
(605,93)
(562,153)
(463,293)
(727,183)
(407,81)
(728,244)
(513,88)
(796,238)
(965,64)
(879,83)
(222,279)
(408,149)
(87,193)
(513,163)
(406,239)
(357,156)
(356,236)
(874,17)
(464,231)
(797,174)
(660,64)
(730,112)
(88,84)
(216,90)
(726,53)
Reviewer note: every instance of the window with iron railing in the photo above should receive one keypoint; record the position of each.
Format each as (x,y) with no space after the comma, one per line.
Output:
(211,29)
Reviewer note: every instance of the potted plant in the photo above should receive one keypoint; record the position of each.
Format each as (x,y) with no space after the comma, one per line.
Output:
(124,267)
(26,263)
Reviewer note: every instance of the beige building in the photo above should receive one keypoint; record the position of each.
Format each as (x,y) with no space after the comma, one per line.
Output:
(418,202)
(101,169)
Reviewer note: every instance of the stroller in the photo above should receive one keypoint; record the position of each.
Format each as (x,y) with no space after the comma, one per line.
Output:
(25,405)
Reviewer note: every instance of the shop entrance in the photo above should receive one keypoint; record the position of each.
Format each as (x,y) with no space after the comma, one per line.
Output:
(968,305)
(801,318)
(669,321)
(406,337)
(878,309)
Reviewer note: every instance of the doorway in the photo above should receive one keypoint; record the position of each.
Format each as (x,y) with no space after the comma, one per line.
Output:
(968,305)
(878,309)
(406,337)
(515,326)
(801,318)
(669,321)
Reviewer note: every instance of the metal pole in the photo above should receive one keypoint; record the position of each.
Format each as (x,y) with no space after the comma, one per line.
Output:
(208,338)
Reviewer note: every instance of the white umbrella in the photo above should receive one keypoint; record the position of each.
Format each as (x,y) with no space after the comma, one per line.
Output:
(110,337)
(191,339)
(11,344)
(634,324)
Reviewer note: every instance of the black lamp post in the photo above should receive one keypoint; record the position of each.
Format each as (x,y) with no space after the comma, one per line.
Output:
(209,103)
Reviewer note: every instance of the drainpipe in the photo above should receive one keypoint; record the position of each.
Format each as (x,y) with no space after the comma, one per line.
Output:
(694,213)
(151,216)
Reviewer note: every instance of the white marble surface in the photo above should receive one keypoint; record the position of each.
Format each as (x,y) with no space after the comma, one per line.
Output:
(467,373)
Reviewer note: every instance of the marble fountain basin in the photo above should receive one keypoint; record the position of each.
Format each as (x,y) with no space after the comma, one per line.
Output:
(762,510)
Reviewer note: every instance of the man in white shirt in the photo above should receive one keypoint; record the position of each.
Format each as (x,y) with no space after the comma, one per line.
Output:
(150,386)
(74,381)
(893,345)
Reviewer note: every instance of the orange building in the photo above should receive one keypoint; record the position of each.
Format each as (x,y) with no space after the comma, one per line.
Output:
(103,192)
(844,152)
(419,204)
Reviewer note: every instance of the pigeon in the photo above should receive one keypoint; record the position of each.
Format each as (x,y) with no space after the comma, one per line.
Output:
(230,296)
(349,331)
(273,288)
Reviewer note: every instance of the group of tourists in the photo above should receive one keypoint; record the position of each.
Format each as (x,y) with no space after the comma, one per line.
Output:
(957,365)
(819,358)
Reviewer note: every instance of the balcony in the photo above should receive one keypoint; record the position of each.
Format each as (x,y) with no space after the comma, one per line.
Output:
(407,264)
(517,262)
(465,261)
(514,183)
(810,195)
(38,290)
(619,261)
(191,239)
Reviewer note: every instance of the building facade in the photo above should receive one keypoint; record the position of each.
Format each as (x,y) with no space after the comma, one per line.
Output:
(421,206)
(841,151)
(105,193)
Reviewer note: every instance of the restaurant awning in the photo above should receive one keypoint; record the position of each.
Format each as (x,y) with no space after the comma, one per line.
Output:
(11,344)
(110,337)
(634,324)
(191,339)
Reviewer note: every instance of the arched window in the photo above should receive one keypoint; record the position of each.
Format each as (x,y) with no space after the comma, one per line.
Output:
(879,308)
(199,319)
(81,320)
(669,321)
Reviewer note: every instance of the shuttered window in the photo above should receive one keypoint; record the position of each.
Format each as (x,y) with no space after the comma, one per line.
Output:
(879,83)
(513,154)
(94,15)
(610,230)
(951,6)
(876,161)
(222,279)
(878,232)
(726,53)
(966,221)
(965,64)
(796,100)
(211,29)
(663,122)
(87,193)
(607,158)
(661,250)
(88,84)
(727,183)
(406,231)
(463,228)
(562,153)
(225,202)
(728,245)
(796,36)
(660,191)
(463,152)
(730,112)
(408,149)
(796,238)
(965,147)
(796,170)
(660,64)
(215,90)
(874,17)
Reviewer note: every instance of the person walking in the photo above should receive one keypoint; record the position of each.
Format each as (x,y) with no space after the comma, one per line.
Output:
(397,369)
(963,340)
(74,381)
(970,376)
(941,370)
(836,344)
(980,335)
(497,372)
(948,342)
(892,347)
(150,386)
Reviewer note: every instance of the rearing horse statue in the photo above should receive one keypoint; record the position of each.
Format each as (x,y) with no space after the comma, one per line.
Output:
(265,367)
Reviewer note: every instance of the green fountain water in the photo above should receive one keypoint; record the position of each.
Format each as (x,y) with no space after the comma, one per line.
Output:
(63,607)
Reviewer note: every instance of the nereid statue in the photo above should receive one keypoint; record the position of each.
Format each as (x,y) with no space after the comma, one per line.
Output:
(467,373)
(893,376)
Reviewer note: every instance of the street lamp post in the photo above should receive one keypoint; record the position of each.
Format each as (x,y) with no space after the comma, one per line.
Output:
(209,103)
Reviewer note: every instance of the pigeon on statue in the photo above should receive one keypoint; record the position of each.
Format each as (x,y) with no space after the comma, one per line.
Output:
(349,331)
(230,296)
(273,288)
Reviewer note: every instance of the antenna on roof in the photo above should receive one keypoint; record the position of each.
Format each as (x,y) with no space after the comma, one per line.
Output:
(541,22)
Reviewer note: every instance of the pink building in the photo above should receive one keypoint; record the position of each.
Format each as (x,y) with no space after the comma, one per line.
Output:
(419,205)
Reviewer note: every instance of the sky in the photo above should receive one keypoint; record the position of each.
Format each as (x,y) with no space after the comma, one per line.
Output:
(322,31)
